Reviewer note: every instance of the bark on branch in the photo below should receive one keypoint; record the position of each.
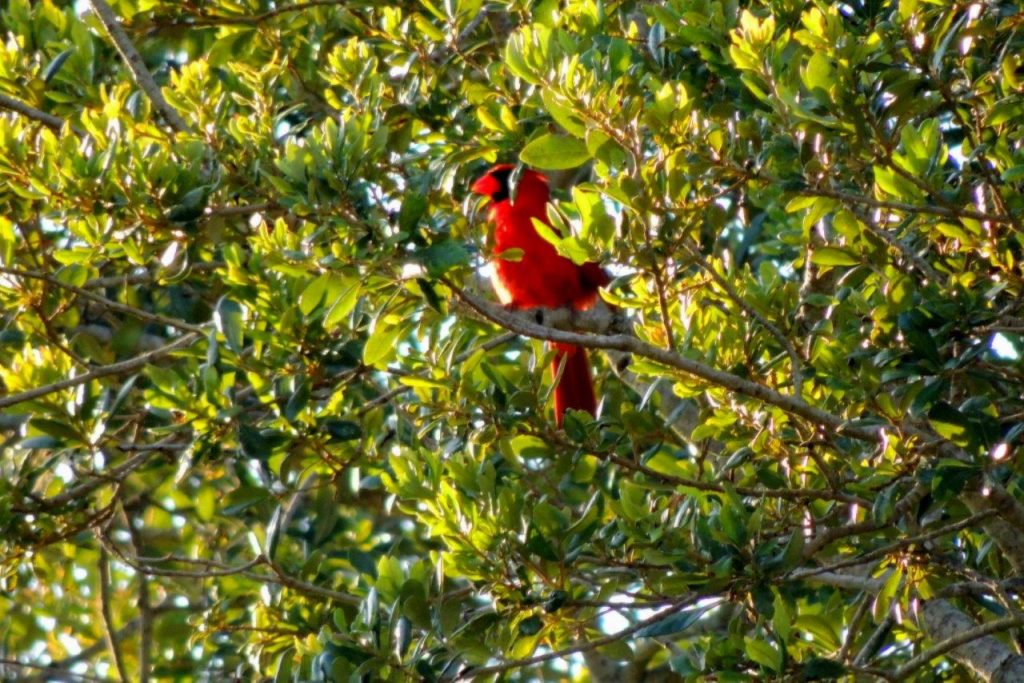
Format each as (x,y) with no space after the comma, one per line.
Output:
(607,331)
(136,65)
(19,107)
(967,643)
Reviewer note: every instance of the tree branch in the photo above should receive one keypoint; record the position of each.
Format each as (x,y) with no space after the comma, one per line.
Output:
(945,212)
(145,610)
(578,647)
(878,553)
(136,65)
(118,473)
(1002,528)
(967,643)
(120,368)
(104,301)
(19,107)
(387,397)
(795,361)
(547,323)
(108,620)
(50,675)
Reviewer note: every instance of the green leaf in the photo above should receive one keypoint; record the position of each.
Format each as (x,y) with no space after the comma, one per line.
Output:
(414,205)
(884,599)
(820,669)
(554,152)
(817,73)
(514,255)
(298,400)
(228,317)
(442,257)
(761,652)
(342,430)
(259,444)
(56,63)
(525,446)
(676,623)
(344,293)
(896,185)
(562,113)
(515,58)
(833,256)
(243,498)
(380,347)
(823,630)
(530,626)
(1013,174)
(313,294)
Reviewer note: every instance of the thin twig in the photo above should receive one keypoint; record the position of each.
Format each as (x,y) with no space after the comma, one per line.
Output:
(118,473)
(145,610)
(878,553)
(108,620)
(104,301)
(50,674)
(387,397)
(120,368)
(142,276)
(221,20)
(240,209)
(578,647)
(899,245)
(853,630)
(213,568)
(751,491)
(835,533)
(945,212)
(794,358)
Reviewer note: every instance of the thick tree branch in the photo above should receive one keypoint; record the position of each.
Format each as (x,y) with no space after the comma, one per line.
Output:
(19,107)
(548,323)
(136,65)
(849,581)
(970,644)
(1003,529)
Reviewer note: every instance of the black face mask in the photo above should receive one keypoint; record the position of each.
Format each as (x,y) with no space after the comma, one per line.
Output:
(502,176)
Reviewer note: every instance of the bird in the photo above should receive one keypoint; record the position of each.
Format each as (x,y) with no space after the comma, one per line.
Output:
(538,276)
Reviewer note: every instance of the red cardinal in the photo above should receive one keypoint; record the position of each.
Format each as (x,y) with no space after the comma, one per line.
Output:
(541,278)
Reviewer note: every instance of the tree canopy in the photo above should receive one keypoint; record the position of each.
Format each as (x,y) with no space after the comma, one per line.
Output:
(263,418)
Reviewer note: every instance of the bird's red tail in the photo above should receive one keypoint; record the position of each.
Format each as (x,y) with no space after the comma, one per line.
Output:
(575,389)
